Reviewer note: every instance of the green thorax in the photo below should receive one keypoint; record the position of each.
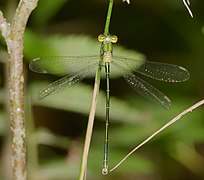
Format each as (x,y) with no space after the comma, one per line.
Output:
(106,47)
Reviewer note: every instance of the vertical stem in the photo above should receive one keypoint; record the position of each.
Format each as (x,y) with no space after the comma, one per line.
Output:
(90,124)
(110,7)
(14,35)
(87,142)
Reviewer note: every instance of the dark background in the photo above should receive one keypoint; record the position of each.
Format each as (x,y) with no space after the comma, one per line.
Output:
(162,30)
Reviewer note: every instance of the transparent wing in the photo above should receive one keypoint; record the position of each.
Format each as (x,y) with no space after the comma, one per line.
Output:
(156,70)
(164,72)
(147,90)
(65,82)
(144,88)
(62,65)
(128,64)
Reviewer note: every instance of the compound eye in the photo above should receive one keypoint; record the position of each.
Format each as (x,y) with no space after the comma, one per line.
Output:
(101,38)
(114,39)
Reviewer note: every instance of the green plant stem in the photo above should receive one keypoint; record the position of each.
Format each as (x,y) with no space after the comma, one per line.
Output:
(108,18)
(89,131)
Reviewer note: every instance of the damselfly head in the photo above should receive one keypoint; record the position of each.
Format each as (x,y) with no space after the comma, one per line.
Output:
(107,39)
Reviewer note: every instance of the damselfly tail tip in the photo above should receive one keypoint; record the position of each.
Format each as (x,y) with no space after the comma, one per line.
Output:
(105,170)
(128,1)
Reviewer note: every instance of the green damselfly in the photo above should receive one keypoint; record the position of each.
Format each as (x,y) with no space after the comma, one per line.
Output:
(76,68)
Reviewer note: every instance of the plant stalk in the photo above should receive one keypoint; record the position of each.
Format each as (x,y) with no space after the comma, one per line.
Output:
(89,131)
(13,35)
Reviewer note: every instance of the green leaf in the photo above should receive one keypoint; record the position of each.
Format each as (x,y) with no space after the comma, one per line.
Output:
(37,45)
(47,137)
(40,46)
(78,99)
(59,169)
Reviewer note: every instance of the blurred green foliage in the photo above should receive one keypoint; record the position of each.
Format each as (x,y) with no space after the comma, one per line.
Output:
(163,31)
